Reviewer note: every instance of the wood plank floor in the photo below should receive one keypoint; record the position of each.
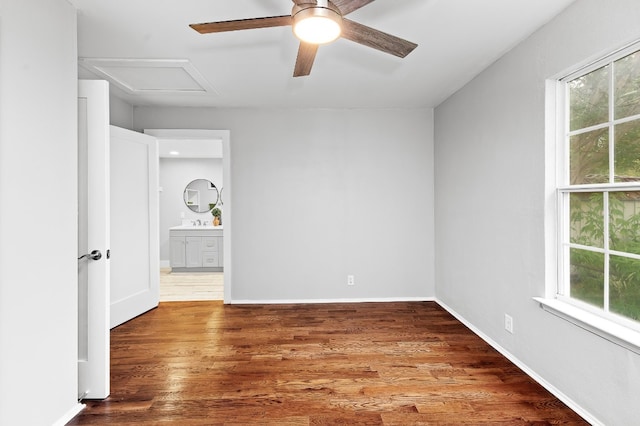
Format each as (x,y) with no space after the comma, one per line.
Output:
(205,363)
(189,286)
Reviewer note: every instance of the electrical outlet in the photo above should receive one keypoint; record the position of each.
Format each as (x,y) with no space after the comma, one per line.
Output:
(351,280)
(508,323)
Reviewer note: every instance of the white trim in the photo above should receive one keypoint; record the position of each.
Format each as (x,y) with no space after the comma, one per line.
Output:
(107,68)
(553,156)
(601,61)
(612,122)
(324,301)
(606,250)
(607,329)
(69,415)
(601,187)
(560,288)
(165,264)
(528,371)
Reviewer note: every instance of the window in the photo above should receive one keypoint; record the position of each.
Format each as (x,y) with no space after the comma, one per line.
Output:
(599,189)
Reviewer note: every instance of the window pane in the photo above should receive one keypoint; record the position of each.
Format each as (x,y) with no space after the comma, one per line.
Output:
(627,86)
(624,287)
(589,99)
(587,276)
(627,152)
(589,157)
(624,221)
(587,218)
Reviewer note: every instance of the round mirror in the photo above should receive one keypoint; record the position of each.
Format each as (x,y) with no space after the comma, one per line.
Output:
(200,195)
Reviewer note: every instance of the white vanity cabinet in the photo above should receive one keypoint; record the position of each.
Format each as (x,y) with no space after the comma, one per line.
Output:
(197,248)
(178,251)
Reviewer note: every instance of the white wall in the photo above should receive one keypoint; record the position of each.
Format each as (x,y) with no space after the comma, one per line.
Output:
(319,194)
(120,113)
(175,175)
(490,209)
(38,247)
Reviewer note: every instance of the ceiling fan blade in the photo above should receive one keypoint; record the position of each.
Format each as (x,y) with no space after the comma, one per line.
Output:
(371,37)
(348,6)
(304,61)
(242,24)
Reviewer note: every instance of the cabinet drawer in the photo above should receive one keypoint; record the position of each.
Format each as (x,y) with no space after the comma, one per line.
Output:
(210,243)
(210,259)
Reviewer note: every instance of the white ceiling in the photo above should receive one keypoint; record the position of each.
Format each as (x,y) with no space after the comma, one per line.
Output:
(456,40)
(189,148)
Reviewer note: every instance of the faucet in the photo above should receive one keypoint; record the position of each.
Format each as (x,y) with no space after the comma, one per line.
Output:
(199,223)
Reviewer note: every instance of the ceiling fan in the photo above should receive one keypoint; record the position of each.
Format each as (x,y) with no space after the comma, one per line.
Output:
(318,22)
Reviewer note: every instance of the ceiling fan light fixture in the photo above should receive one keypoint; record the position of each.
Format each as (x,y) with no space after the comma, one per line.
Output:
(317,25)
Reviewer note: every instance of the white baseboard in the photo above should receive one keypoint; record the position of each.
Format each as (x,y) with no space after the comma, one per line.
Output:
(528,371)
(311,301)
(165,263)
(69,415)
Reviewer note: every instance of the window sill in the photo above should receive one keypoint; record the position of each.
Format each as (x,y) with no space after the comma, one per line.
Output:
(615,333)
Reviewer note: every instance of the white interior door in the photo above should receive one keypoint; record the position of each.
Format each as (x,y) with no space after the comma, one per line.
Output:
(93,234)
(135,241)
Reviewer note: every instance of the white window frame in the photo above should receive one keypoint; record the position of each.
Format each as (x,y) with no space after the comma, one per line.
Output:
(615,328)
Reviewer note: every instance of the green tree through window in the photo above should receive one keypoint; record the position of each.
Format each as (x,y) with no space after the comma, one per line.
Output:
(602,195)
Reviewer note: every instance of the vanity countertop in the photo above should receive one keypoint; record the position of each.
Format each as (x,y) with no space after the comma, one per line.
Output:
(195,227)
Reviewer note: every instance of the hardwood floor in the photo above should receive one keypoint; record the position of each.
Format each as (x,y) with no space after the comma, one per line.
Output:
(205,363)
(189,286)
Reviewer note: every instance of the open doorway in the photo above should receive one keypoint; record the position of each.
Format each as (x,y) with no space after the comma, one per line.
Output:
(195,255)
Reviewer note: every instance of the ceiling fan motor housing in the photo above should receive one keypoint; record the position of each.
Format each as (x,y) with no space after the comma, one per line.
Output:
(311,12)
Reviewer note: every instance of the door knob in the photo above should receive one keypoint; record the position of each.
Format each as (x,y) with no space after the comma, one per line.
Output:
(95,255)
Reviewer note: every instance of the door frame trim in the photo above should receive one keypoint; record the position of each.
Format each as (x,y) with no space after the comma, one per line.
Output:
(97,367)
(225,137)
